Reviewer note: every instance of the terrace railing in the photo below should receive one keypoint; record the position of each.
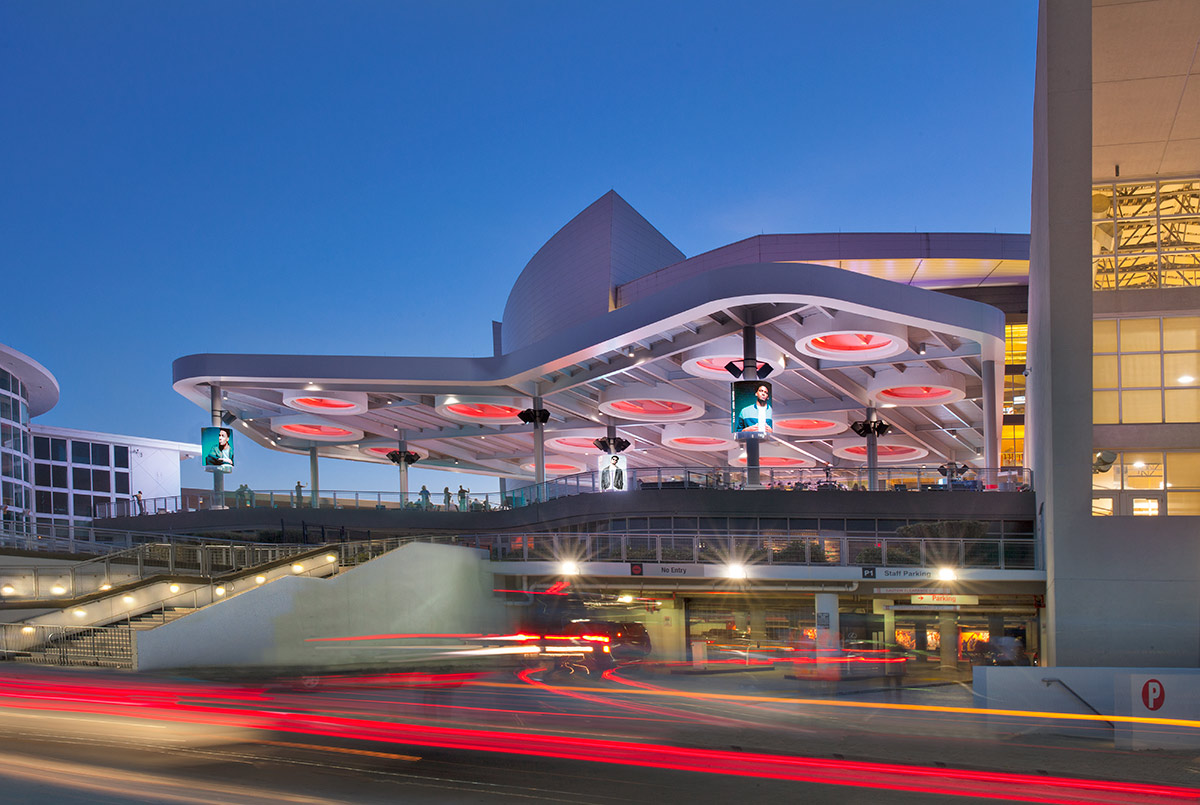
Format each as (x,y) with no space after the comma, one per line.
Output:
(887,479)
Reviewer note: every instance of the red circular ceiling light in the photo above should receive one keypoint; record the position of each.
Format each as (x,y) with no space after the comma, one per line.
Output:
(851,337)
(883,451)
(812,427)
(557,465)
(917,393)
(379,448)
(654,408)
(916,386)
(698,436)
(325,431)
(325,403)
(888,450)
(577,442)
(336,403)
(483,410)
(772,455)
(314,429)
(709,360)
(490,411)
(851,342)
(717,365)
(650,403)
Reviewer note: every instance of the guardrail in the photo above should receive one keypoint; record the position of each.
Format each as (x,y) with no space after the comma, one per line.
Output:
(744,549)
(85,539)
(854,479)
(50,582)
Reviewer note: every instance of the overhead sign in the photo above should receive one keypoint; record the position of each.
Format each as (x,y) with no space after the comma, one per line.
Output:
(658,570)
(910,589)
(897,573)
(942,598)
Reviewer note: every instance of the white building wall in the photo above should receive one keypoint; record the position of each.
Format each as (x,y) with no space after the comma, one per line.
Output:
(154,471)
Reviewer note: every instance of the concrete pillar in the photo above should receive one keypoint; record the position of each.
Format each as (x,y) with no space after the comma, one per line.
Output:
(828,628)
(995,626)
(880,607)
(920,635)
(758,626)
(948,635)
(312,471)
(1058,411)
(872,452)
(402,446)
(214,398)
(539,449)
(991,426)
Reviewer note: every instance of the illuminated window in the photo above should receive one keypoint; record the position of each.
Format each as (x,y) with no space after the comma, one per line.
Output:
(1146,370)
(1146,234)
(1016,336)
(1012,446)
(1149,483)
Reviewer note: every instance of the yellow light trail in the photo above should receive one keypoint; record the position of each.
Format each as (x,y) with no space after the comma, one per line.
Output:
(921,708)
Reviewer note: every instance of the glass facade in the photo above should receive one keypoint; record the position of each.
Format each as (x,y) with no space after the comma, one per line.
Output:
(1146,370)
(16,477)
(1012,435)
(1149,482)
(71,476)
(1146,234)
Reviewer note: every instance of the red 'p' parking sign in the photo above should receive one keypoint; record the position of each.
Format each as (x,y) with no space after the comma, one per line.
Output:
(1153,694)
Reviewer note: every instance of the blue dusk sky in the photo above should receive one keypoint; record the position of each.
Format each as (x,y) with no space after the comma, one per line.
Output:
(371,177)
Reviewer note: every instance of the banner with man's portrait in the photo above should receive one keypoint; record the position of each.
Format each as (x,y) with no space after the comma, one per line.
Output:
(613,475)
(216,445)
(750,409)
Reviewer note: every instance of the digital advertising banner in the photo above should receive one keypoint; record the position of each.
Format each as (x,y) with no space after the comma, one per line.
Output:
(216,445)
(751,409)
(612,473)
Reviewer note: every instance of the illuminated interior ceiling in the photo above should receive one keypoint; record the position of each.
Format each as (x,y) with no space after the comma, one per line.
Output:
(639,358)
(1145,89)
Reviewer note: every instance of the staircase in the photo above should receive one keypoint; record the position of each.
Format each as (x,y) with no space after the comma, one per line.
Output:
(108,646)
(148,620)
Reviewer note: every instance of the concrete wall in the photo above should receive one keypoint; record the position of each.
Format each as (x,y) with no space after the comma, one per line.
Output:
(416,589)
(1058,431)
(1114,692)
(1127,593)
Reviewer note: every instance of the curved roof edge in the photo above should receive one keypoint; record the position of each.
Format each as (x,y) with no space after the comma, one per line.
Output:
(43,387)
(693,297)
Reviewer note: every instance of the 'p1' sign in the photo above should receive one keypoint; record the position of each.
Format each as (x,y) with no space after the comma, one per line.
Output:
(1153,694)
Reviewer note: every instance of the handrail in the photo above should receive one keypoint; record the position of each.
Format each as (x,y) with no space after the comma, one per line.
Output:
(64,582)
(888,478)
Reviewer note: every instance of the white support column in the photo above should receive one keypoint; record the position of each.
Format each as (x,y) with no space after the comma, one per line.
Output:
(948,638)
(539,448)
(828,628)
(991,421)
(312,471)
(214,399)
